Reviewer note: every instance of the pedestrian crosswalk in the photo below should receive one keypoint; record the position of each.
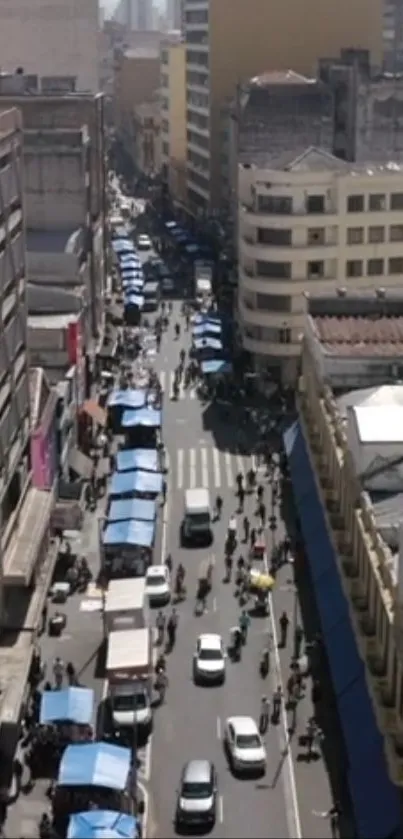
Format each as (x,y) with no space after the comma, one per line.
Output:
(167,385)
(207,467)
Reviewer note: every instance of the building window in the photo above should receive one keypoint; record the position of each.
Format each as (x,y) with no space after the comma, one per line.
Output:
(315,204)
(285,335)
(354,268)
(315,270)
(375,267)
(273,236)
(355,204)
(355,235)
(396,201)
(276,270)
(165,149)
(377,203)
(396,265)
(396,233)
(276,205)
(376,235)
(316,236)
(273,303)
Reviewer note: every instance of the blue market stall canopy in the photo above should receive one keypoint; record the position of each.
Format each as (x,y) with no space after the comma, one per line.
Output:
(98,824)
(205,328)
(132,508)
(136,300)
(129,260)
(171,225)
(74,705)
(216,366)
(122,246)
(147,483)
(129,398)
(142,418)
(95,765)
(207,344)
(122,483)
(128,460)
(131,533)
(206,318)
(134,286)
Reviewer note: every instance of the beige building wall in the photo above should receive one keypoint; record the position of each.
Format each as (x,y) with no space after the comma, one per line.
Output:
(173,117)
(137,79)
(238,41)
(147,138)
(52,38)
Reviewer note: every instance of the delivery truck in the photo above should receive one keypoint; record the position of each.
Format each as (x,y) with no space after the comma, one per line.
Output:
(126,605)
(129,670)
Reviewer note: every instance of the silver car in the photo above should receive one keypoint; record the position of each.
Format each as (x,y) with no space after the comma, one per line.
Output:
(197,794)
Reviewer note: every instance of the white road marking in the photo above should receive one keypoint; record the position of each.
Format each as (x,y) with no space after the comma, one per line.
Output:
(171,382)
(203,453)
(192,476)
(214,604)
(162,380)
(288,776)
(220,809)
(218,728)
(240,465)
(216,468)
(228,469)
(180,468)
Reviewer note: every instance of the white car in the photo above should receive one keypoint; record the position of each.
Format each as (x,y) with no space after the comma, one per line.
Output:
(244,746)
(144,243)
(209,659)
(158,585)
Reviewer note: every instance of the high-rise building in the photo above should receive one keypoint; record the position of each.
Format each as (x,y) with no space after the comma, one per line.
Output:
(173,115)
(229,41)
(175,14)
(53,38)
(135,14)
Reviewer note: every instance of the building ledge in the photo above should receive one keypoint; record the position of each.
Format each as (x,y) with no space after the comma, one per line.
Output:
(30,525)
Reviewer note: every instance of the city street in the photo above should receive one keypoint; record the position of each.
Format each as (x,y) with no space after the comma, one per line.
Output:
(190,723)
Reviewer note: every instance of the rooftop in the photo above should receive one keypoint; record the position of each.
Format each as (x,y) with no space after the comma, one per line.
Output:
(315,159)
(53,322)
(142,52)
(359,335)
(281,77)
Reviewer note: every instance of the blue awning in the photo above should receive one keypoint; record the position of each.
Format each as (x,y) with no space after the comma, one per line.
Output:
(135,300)
(95,765)
(131,274)
(206,328)
(98,824)
(122,483)
(170,225)
(131,533)
(361,734)
(207,344)
(134,285)
(71,705)
(129,259)
(147,482)
(215,365)
(127,460)
(122,246)
(144,417)
(132,508)
(129,398)
(209,317)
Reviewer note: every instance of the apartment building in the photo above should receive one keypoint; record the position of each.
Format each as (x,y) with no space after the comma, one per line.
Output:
(228,43)
(136,80)
(310,225)
(345,455)
(393,36)
(52,38)
(173,116)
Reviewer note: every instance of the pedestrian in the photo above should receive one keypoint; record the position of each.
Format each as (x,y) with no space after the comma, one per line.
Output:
(160,625)
(241,496)
(58,670)
(262,514)
(228,567)
(298,638)
(246,529)
(284,624)
(316,692)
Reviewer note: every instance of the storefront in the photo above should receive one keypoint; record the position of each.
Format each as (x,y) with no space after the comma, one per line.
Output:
(374,797)
(44,446)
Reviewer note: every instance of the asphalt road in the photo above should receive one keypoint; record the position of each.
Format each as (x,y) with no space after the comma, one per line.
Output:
(190,723)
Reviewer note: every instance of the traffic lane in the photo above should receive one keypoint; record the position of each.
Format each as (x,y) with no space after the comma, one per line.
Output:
(255,807)
(186,725)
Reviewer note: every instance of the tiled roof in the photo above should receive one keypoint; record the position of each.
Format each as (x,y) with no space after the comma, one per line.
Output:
(360,336)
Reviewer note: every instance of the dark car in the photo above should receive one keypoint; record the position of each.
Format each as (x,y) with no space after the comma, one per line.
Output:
(197,794)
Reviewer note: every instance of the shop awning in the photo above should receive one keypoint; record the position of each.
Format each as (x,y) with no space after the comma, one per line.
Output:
(122,483)
(95,764)
(216,366)
(147,483)
(74,705)
(99,824)
(129,398)
(21,553)
(80,463)
(131,533)
(206,328)
(128,460)
(144,418)
(94,411)
(136,300)
(132,508)
(207,344)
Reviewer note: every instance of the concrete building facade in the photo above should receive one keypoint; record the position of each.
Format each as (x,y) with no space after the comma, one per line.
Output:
(175,9)
(226,47)
(313,224)
(345,456)
(173,116)
(136,80)
(52,38)
(147,138)
(136,15)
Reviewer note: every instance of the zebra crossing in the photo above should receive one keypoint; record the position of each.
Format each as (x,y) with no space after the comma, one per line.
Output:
(167,385)
(206,467)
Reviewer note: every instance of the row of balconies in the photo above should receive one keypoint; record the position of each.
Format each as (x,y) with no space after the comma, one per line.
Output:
(389,721)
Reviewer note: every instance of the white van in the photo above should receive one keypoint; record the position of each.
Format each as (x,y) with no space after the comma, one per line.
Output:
(196,526)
